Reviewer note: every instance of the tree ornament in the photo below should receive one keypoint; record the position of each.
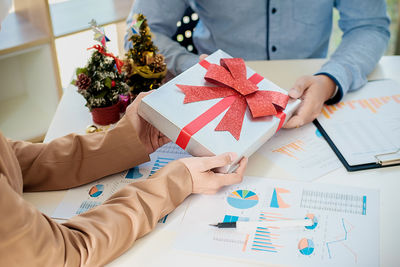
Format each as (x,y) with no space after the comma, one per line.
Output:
(159,64)
(83,81)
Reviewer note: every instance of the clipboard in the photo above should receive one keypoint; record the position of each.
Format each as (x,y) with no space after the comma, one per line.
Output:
(382,160)
(363,128)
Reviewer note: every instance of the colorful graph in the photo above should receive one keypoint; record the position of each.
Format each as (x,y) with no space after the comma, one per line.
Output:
(163,219)
(133,173)
(341,240)
(291,149)
(96,190)
(159,163)
(371,104)
(232,218)
(314,220)
(242,199)
(265,240)
(276,200)
(306,246)
(87,205)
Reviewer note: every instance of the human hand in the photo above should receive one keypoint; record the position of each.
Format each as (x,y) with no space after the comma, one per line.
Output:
(202,57)
(314,91)
(150,137)
(206,181)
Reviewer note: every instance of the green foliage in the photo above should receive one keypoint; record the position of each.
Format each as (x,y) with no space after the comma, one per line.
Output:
(97,80)
(81,70)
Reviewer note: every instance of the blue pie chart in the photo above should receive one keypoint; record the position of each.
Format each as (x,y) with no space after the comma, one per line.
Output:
(242,199)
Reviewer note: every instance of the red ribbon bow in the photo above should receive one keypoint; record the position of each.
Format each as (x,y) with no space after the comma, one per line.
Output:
(238,93)
(119,63)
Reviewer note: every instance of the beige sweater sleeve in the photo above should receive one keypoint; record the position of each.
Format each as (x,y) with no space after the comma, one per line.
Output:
(74,160)
(29,238)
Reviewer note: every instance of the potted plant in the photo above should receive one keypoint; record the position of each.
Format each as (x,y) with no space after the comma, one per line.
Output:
(102,83)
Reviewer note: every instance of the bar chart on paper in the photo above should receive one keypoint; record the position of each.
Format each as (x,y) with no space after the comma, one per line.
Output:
(366,123)
(341,218)
(302,152)
(291,149)
(371,105)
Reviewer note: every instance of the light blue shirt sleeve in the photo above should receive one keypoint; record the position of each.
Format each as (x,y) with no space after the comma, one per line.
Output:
(365,27)
(274,29)
(162,16)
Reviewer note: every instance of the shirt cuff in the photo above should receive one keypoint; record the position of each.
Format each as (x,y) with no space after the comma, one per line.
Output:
(337,96)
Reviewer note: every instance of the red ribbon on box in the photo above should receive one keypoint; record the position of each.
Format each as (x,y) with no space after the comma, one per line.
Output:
(118,63)
(237,92)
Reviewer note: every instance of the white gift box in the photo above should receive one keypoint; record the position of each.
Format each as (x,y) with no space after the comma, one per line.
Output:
(165,110)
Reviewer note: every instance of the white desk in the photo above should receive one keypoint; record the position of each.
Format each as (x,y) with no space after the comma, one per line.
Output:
(156,249)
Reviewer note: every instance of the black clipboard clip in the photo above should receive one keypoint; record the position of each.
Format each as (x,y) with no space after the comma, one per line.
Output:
(388,159)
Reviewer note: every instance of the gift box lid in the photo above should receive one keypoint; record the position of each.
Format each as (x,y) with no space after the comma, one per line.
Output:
(165,109)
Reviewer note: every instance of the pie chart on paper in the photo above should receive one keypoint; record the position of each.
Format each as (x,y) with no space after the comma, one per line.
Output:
(314,219)
(306,246)
(242,199)
(96,190)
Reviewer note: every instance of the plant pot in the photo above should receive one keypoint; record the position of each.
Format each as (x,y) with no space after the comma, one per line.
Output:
(106,115)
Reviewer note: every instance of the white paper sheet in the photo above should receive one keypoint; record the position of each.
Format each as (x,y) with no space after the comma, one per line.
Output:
(302,152)
(366,122)
(345,230)
(86,197)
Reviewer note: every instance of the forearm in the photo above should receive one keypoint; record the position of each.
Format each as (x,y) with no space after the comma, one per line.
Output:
(364,41)
(74,160)
(110,229)
(96,237)
(354,59)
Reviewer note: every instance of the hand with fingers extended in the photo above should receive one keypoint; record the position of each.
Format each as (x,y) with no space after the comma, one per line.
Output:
(205,180)
(314,91)
(150,137)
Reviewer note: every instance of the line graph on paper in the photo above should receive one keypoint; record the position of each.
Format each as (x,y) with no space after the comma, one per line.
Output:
(341,242)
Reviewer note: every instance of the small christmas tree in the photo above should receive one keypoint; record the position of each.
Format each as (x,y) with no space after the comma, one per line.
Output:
(101,81)
(144,67)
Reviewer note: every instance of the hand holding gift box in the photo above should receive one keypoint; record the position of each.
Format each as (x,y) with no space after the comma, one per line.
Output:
(204,110)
